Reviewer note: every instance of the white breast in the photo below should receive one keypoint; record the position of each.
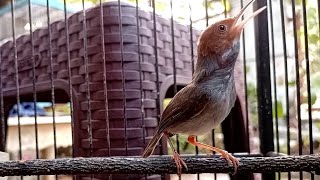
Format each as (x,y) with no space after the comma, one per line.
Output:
(212,115)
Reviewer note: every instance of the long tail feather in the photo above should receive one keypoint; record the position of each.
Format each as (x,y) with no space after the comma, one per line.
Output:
(152,144)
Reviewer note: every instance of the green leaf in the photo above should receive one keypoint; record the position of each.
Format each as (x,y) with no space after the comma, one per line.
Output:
(313,98)
(292,83)
(279,110)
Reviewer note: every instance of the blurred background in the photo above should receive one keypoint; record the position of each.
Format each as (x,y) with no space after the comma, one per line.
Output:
(295,85)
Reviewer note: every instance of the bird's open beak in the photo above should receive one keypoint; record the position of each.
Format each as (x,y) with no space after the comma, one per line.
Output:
(240,24)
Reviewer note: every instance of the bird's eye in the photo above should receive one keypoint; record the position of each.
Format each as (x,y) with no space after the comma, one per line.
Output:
(222,28)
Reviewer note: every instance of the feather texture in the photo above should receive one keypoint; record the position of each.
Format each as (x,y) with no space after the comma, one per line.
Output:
(152,145)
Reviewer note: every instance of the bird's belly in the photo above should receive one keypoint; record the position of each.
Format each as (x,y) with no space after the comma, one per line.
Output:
(203,122)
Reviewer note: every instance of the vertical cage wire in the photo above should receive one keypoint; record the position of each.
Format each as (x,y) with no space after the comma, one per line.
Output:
(69,74)
(16,74)
(274,77)
(155,40)
(173,51)
(140,72)
(71,98)
(86,62)
(191,42)
(206,12)
(105,84)
(123,78)
(53,103)
(245,81)
(140,77)
(319,34)
(297,72)
(307,61)
(225,8)
(319,16)
(192,63)
(225,16)
(207,24)
(212,131)
(299,130)
(2,118)
(174,65)
(306,49)
(33,80)
(285,60)
(264,83)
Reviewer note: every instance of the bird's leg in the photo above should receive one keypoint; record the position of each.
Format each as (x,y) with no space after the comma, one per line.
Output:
(176,157)
(224,154)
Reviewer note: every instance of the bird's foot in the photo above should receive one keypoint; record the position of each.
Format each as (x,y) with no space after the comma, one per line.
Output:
(231,160)
(179,162)
(224,154)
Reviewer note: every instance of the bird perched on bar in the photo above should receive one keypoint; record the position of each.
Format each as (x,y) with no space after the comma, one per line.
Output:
(204,103)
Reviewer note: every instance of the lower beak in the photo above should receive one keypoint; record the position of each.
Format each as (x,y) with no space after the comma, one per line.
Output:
(239,25)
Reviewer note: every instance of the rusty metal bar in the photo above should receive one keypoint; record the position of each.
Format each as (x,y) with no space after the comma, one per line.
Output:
(274,82)
(155,40)
(16,67)
(53,101)
(69,72)
(123,78)
(2,118)
(245,80)
(33,80)
(86,62)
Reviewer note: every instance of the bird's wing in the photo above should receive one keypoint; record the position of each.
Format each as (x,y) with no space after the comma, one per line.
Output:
(183,106)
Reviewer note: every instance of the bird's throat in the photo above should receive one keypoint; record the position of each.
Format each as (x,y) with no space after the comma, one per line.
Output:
(210,70)
(219,64)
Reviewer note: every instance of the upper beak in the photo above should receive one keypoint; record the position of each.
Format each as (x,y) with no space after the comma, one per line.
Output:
(239,25)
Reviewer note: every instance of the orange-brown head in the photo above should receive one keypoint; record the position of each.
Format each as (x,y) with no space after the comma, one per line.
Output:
(220,37)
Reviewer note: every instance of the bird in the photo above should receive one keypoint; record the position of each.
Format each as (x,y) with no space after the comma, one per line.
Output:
(207,100)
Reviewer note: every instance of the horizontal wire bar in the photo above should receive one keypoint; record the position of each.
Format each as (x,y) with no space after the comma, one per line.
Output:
(157,165)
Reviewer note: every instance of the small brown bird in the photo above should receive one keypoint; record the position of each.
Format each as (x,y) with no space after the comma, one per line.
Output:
(204,103)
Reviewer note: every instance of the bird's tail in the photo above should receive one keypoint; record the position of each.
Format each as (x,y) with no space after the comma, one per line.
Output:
(152,144)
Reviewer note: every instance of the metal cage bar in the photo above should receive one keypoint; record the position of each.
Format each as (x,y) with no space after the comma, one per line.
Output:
(264,84)
(86,62)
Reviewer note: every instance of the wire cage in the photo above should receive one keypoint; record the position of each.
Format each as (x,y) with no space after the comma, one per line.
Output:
(90,78)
